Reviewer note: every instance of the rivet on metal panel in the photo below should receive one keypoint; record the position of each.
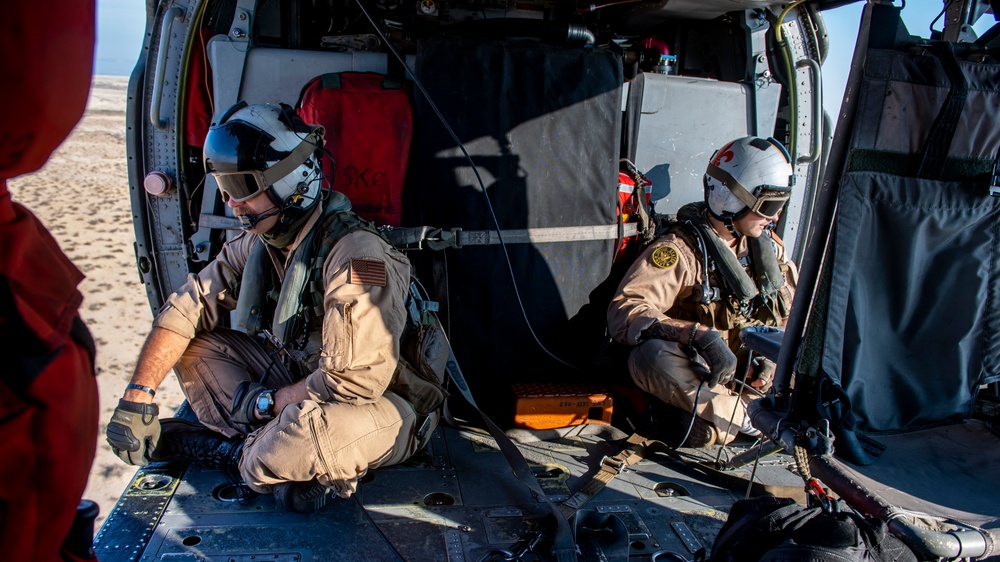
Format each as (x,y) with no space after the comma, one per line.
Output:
(687,537)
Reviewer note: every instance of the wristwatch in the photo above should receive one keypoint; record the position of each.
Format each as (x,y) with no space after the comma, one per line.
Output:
(265,405)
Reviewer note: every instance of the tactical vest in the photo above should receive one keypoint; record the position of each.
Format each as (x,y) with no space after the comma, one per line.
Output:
(294,307)
(729,299)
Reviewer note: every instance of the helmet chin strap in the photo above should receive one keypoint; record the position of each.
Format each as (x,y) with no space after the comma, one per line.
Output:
(731,226)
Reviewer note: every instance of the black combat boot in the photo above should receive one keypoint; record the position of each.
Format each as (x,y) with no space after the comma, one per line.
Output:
(302,497)
(182,440)
(678,428)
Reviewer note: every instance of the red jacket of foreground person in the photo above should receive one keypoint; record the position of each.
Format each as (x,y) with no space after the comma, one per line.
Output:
(48,395)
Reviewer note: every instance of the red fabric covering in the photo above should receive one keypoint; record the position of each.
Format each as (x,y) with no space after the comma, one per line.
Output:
(46,60)
(199,95)
(368,132)
(42,279)
(48,447)
(48,431)
(52,74)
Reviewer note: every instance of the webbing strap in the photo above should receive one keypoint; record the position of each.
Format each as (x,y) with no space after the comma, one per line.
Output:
(904,164)
(564,543)
(544,235)
(637,448)
(610,468)
(439,239)
(943,131)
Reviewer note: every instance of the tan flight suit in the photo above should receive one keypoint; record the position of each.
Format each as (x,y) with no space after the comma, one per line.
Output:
(650,294)
(351,423)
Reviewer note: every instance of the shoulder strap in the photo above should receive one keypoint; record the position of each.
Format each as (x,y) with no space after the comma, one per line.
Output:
(765,265)
(335,226)
(564,544)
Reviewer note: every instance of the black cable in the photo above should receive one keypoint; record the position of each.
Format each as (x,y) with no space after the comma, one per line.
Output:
(694,414)
(479,179)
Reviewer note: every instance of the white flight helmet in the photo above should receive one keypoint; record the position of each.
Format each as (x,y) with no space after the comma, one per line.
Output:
(748,174)
(266,148)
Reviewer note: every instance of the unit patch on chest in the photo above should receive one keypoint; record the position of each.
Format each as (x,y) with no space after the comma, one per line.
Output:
(665,257)
(367,272)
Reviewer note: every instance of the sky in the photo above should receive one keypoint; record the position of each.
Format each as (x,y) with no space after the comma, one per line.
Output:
(121,26)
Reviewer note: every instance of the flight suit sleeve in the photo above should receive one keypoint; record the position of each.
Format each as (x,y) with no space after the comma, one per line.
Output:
(365,314)
(207,296)
(665,272)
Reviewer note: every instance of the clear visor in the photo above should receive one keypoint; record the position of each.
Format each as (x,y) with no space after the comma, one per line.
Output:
(770,202)
(240,186)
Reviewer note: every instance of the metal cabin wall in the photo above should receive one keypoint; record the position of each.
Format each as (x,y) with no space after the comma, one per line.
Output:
(542,124)
(684,120)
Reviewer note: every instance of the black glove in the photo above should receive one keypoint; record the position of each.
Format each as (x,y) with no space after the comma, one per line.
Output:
(133,431)
(245,403)
(763,373)
(721,360)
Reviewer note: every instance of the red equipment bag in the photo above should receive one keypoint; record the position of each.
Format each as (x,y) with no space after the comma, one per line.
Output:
(369,125)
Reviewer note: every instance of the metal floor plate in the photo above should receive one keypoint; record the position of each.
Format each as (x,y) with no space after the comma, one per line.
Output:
(457,500)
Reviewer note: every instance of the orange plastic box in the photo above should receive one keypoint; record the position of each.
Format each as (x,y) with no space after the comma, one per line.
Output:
(547,406)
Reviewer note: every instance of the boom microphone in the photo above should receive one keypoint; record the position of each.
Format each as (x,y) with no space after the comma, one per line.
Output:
(248,222)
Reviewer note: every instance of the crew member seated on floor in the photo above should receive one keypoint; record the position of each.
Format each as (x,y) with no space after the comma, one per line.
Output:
(303,402)
(718,268)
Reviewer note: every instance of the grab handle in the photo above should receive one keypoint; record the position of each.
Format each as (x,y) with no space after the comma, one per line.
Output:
(817,112)
(173,13)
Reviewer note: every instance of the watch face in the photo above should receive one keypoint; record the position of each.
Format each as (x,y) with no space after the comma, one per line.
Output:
(264,403)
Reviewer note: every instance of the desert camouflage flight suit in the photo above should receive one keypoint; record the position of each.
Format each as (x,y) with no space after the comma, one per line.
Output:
(351,422)
(650,293)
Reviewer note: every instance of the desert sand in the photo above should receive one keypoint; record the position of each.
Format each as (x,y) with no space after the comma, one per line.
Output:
(82,196)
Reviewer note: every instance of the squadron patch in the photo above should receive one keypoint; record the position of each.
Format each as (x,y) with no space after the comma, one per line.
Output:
(664,257)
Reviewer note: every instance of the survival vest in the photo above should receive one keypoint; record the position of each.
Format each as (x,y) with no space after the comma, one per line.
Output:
(296,307)
(728,298)
(263,298)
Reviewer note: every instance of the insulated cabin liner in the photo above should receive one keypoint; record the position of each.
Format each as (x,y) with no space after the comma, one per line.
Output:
(542,126)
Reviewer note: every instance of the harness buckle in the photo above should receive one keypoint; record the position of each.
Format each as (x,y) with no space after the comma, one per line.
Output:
(615,464)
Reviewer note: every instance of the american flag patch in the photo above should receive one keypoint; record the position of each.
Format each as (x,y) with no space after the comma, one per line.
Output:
(367,272)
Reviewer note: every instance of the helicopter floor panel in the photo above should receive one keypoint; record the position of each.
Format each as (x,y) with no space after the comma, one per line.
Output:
(457,500)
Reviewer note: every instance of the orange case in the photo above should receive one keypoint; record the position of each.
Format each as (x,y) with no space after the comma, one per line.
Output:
(548,406)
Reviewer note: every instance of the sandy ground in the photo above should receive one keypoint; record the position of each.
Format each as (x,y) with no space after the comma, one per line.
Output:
(82,196)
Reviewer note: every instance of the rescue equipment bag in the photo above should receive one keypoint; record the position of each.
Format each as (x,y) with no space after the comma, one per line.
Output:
(633,207)
(369,126)
(780,530)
